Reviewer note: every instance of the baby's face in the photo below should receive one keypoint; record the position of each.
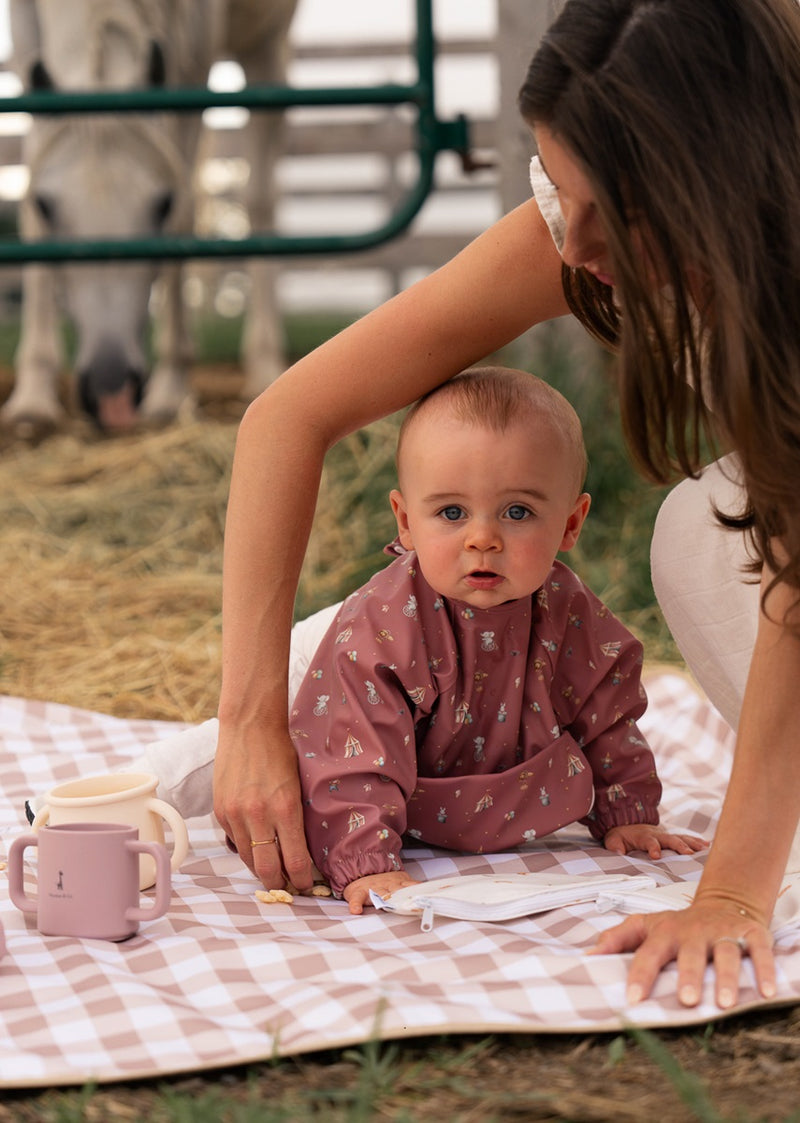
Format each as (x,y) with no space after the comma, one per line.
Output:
(486,511)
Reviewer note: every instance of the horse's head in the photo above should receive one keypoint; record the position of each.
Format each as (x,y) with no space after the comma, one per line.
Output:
(93,179)
(104,177)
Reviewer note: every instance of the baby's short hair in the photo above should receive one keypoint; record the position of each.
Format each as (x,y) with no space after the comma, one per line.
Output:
(497,397)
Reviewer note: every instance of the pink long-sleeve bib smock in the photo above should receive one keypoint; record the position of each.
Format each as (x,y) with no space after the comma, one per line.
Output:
(473,729)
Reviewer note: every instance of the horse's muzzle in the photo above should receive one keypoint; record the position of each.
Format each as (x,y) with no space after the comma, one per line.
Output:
(113,408)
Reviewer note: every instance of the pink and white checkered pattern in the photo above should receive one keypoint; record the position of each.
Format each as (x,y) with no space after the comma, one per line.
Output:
(223,979)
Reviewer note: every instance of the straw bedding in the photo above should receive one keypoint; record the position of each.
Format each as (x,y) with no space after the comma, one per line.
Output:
(111,556)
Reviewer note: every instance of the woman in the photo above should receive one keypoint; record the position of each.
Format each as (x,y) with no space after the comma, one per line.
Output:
(668,130)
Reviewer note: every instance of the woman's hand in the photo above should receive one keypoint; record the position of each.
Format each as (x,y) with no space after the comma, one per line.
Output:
(715,930)
(651,839)
(729,918)
(357,892)
(258,804)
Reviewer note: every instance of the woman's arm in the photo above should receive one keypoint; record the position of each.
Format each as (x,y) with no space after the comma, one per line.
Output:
(737,892)
(500,285)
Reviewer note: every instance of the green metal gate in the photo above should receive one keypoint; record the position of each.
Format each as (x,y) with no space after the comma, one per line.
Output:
(432,137)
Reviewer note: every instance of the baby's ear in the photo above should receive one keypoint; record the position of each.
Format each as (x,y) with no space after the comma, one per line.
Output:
(575,521)
(401,515)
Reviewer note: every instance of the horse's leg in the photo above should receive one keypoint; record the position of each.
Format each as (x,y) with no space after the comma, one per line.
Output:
(262,351)
(262,337)
(39,353)
(167,393)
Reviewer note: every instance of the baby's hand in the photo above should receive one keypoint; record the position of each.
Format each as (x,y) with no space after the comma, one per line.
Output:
(357,892)
(651,839)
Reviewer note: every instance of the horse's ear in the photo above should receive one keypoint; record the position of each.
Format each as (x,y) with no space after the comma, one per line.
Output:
(40,77)
(157,70)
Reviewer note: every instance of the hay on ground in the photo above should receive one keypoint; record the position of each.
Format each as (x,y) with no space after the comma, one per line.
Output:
(111,562)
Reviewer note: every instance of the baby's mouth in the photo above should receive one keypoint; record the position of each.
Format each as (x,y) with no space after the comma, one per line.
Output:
(483,579)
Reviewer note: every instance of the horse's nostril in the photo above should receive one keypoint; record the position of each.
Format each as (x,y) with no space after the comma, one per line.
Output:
(110,397)
(118,411)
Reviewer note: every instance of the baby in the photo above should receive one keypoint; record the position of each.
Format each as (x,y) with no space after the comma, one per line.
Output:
(474,693)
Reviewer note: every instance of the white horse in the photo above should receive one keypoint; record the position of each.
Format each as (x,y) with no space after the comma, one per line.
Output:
(123,176)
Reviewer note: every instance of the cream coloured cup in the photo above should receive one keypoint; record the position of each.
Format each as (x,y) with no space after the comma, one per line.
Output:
(119,797)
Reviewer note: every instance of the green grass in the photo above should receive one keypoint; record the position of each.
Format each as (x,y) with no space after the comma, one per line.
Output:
(691,1089)
(636,1075)
(217,338)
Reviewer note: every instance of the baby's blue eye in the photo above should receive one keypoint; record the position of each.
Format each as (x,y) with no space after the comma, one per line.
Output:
(517,512)
(452,514)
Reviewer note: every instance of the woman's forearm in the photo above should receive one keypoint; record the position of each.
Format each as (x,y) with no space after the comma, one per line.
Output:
(760,814)
(270,509)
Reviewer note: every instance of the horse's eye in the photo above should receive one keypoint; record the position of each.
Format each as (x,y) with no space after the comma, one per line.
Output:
(162,208)
(46,208)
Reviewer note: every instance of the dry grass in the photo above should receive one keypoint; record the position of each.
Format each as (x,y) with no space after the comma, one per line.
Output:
(111,556)
(111,561)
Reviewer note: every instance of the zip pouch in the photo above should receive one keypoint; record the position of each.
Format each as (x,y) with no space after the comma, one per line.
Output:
(498,897)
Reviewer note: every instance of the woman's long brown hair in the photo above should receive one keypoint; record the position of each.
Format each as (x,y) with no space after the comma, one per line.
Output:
(685,116)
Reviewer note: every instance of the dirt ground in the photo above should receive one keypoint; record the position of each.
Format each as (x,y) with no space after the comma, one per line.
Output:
(111,557)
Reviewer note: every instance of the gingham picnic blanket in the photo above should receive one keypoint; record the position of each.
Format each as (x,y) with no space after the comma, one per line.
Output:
(224,979)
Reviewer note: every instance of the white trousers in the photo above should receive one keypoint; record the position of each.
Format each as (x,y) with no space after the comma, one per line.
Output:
(708,599)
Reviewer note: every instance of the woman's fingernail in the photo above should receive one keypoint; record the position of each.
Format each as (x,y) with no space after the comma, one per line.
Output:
(769,990)
(634,994)
(688,995)
(725,998)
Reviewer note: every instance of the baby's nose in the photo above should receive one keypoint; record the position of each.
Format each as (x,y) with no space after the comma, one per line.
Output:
(483,534)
